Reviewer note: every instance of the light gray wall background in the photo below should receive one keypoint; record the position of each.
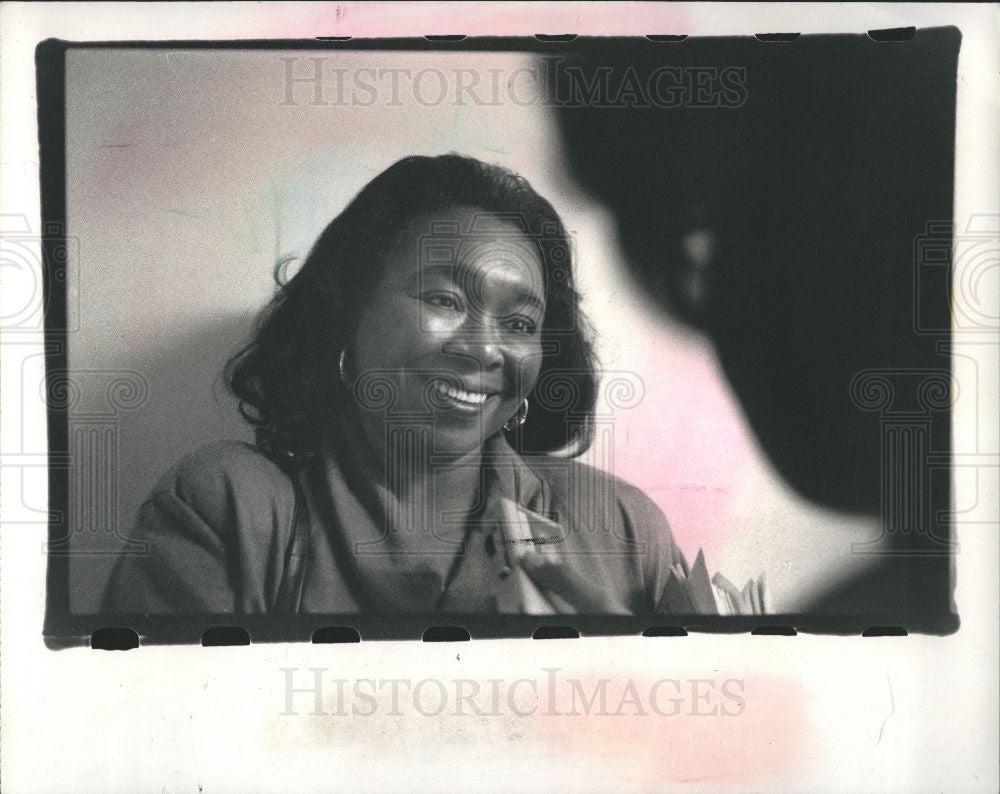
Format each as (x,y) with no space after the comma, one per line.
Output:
(189,175)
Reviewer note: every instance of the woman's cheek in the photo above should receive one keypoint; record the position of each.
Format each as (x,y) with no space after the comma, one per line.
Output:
(438,324)
(530,365)
(419,331)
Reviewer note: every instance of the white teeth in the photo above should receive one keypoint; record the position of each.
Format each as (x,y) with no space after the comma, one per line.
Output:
(470,397)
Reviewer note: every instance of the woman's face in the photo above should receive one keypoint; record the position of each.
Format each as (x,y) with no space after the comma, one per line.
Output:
(453,330)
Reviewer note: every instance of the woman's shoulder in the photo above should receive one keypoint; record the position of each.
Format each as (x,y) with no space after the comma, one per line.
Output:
(226,476)
(215,525)
(603,512)
(220,461)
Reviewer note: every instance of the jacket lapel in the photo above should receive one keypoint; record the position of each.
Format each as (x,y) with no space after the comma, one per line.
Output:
(521,507)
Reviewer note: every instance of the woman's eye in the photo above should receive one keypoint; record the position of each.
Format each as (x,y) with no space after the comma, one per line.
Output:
(444,300)
(522,325)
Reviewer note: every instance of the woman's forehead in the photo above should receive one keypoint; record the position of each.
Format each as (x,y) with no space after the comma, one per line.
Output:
(471,242)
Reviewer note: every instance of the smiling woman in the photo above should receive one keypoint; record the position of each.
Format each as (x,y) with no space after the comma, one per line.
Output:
(419,390)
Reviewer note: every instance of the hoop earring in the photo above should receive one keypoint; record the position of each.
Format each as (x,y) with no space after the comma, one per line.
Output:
(343,373)
(519,418)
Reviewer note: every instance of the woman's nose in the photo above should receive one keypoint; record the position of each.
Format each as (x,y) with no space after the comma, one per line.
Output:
(478,340)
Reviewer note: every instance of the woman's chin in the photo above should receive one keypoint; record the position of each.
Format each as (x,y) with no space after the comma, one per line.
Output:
(460,441)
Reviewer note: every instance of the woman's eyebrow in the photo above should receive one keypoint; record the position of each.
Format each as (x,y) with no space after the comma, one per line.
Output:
(528,296)
(458,272)
(425,273)
(446,269)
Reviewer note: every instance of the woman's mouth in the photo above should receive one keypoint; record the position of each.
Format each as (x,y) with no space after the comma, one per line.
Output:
(460,397)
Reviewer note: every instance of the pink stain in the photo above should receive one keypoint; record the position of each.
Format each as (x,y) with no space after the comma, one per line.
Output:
(686,443)
(471,19)
(763,744)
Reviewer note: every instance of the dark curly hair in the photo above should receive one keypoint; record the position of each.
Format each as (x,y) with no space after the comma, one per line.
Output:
(287,378)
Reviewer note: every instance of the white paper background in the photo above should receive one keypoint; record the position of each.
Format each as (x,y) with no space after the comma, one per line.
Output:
(822,713)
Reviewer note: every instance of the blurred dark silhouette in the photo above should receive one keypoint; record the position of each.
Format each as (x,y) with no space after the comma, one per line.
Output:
(773,195)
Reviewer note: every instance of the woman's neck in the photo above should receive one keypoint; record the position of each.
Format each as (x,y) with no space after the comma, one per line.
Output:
(431,493)
(410,468)
(426,485)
